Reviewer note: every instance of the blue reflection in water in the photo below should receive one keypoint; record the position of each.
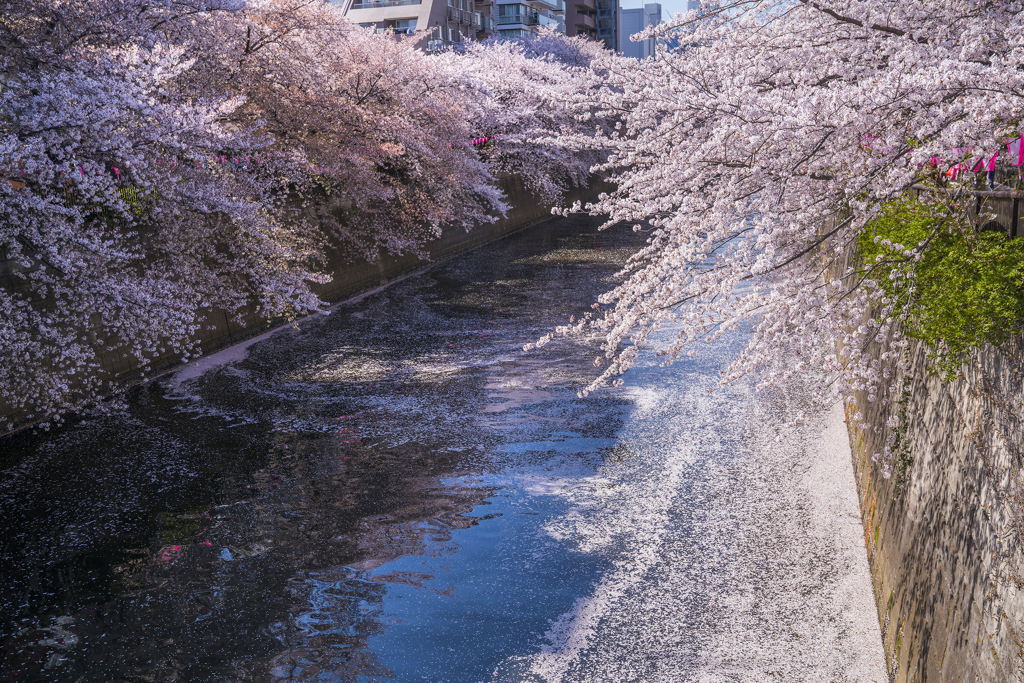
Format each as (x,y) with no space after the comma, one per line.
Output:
(304,514)
(438,617)
(510,582)
(345,598)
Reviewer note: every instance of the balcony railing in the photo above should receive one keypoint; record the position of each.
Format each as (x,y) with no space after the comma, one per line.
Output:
(554,5)
(460,16)
(529,19)
(375,4)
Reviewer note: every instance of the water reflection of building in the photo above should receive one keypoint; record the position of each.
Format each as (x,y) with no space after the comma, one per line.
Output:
(346,512)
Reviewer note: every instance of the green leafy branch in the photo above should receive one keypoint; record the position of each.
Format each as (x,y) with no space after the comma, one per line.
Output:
(960,289)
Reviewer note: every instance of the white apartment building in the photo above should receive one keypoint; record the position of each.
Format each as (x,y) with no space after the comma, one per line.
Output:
(520,17)
(435,23)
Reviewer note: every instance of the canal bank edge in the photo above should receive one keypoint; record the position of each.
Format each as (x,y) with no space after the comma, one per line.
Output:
(349,279)
(942,533)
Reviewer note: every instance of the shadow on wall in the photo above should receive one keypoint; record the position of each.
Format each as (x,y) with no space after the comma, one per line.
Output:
(944,532)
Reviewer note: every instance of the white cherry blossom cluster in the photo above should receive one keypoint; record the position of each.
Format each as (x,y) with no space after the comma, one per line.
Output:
(756,151)
(519,94)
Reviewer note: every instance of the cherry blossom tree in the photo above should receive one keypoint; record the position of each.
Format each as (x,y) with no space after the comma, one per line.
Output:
(125,215)
(756,153)
(362,119)
(519,95)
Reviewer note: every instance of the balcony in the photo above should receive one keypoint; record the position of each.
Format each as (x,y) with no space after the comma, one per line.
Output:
(552,5)
(530,19)
(460,16)
(541,20)
(484,3)
(583,22)
(375,4)
(586,5)
(483,22)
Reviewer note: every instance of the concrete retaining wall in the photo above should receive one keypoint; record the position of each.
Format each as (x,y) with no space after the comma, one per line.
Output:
(944,532)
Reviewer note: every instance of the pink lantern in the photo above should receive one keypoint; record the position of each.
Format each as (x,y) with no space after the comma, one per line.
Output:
(1016,150)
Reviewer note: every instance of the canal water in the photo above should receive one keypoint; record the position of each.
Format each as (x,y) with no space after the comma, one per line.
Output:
(396,491)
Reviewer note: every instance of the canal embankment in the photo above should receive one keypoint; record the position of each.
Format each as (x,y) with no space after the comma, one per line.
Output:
(944,531)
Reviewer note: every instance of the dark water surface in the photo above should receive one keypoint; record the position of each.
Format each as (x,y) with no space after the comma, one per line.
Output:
(367,498)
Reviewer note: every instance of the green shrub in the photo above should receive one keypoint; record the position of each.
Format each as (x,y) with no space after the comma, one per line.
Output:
(968,286)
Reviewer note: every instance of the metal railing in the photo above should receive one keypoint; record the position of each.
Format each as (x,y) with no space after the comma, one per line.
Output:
(529,19)
(554,5)
(460,16)
(541,20)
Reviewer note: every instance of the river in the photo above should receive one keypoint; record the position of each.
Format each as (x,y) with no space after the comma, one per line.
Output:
(396,491)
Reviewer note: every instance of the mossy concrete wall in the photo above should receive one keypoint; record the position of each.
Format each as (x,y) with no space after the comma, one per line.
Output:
(943,532)
(349,278)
